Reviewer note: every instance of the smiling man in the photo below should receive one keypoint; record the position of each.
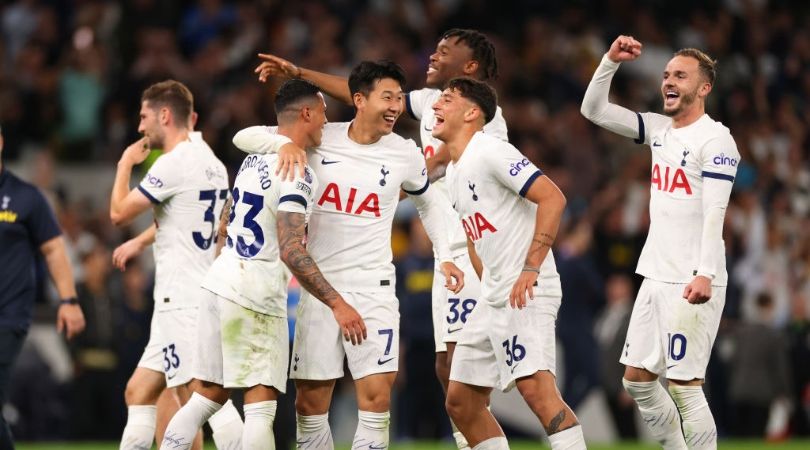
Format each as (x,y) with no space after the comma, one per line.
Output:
(186,187)
(511,212)
(678,308)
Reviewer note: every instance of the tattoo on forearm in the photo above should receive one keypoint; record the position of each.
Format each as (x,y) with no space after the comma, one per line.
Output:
(223,217)
(291,228)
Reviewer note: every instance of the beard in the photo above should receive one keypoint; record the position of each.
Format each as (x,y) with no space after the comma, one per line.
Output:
(685,101)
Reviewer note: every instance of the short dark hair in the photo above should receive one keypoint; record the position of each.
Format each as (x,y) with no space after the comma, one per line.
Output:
(291,91)
(707,65)
(482,50)
(477,92)
(366,74)
(173,95)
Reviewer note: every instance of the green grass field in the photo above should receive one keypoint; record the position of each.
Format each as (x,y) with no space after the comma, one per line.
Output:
(515,445)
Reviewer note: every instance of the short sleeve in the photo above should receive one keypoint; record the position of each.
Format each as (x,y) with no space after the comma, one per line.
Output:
(415,102)
(497,126)
(297,195)
(512,169)
(416,180)
(720,158)
(162,181)
(42,224)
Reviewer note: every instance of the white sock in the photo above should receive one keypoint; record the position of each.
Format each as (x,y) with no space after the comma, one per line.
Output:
(568,439)
(372,430)
(227,427)
(496,443)
(658,411)
(699,429)
(258,433)
(186,423)
(461,441)
(313,433)
(140,429)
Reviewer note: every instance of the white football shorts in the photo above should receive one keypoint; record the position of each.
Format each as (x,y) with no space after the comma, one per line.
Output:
(450,311)
(669,336)
(499,345)
(241,348)
(171,345)
(319,347)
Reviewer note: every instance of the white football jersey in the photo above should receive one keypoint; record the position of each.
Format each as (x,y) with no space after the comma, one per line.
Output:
(681,159)
(188,187)
(487,187)
(249,271)
(419,105)
(357,195)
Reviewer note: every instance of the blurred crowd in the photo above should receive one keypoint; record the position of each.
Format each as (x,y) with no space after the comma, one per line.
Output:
(70,82)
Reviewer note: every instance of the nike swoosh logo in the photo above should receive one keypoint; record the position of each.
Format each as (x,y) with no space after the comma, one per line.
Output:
(449,331)
(669,367)
(656,144)
(373,447)
(383,361)
(326,163)
(171,376)
(428,129)
(514,367)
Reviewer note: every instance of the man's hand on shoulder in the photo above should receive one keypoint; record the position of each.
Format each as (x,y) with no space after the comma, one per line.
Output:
(290,155)
(624,48)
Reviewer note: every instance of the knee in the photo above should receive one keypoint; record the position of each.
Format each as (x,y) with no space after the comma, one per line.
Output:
(456,406)
(136,393)
(540,400)
(308,405)
(376,401)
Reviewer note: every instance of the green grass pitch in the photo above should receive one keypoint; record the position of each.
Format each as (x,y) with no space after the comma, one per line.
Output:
(515,445)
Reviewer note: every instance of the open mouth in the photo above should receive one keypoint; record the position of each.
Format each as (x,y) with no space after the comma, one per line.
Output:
(439,122)
(670,97)
(390,118)
(431,70)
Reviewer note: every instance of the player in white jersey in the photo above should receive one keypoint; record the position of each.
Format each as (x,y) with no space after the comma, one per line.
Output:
(243,332)
(361,167)
(186,206)
(678,308)
(459,52)
(509,338)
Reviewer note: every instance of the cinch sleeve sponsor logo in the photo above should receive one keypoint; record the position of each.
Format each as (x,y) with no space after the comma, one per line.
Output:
(154,181)
(723,160)
(515,168)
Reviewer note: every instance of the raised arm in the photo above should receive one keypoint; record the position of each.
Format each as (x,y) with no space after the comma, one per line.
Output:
(291,229)
(331,85)
(126,204)
(595,105)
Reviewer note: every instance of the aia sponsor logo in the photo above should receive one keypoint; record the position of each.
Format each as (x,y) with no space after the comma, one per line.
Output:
(670,179)
(353,203)
(476,225)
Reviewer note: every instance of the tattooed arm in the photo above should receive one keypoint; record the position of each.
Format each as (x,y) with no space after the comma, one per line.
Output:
(551,203)
(222,229)
(291,228)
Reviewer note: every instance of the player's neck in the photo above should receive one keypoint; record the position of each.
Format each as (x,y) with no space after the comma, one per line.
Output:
(688,117)
(363,133)
(458,143)
(298,137)
(174,136)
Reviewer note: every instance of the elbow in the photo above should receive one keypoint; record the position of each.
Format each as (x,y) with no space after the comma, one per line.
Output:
(587,110)
(116,219)
(561,200)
